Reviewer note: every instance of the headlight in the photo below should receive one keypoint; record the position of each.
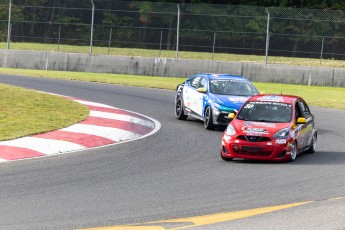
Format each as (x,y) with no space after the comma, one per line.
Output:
(223,108)
(282,134)
(230,130)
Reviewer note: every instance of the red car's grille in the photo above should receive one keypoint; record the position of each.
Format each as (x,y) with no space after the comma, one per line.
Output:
(252,150)
(254,138)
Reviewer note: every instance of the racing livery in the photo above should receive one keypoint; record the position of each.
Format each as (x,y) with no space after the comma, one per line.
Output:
(270,127)
(211,97)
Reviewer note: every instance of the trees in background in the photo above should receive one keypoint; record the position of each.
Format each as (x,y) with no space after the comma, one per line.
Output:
(236,26)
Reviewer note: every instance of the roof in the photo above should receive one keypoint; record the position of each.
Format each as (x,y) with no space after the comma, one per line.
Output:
(275,98)
(221,76)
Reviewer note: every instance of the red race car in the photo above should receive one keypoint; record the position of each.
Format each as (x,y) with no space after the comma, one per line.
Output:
(270,127)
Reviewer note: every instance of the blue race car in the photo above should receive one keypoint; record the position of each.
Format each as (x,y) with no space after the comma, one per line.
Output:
(211,97)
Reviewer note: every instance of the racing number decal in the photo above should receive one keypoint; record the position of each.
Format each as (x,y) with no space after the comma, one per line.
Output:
(193,99)
(186,96)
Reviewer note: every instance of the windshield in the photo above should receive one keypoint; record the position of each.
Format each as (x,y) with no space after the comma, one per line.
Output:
(232,87)
(266,111)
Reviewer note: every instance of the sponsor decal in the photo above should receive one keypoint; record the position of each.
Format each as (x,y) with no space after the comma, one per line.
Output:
(253,130)
(249,106)
(269,143)
(257,123)
(238,99)
(253,134)
(227,80)
(269,103)
(271,98)
(281,141)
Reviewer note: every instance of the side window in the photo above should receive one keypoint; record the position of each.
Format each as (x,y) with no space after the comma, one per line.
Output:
(195,82)
(304,109)
(298,112)
(203,83)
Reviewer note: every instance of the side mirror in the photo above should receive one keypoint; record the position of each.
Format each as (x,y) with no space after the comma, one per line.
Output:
(231,115)
(201,90)
(301,120)
(262,93)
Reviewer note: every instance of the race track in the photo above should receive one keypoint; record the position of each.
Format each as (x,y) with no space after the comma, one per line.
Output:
(177,172)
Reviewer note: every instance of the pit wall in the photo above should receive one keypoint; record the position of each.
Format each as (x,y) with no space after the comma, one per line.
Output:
(170,67)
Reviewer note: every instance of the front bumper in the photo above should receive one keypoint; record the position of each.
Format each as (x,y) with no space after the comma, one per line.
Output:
(256,150)
(220,117)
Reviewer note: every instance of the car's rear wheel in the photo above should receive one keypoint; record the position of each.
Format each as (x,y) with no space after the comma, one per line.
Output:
(225,158)
(208,120)
(312,148)
(293,153)
(179,110)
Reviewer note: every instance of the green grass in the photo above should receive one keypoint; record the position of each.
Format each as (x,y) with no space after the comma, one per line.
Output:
(25,112)
(329,97)
(172,54)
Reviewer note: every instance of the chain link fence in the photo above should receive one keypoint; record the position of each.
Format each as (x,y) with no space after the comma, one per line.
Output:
(198,31)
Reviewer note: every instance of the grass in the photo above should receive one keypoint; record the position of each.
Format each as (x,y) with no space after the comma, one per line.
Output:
(319,96)
(172,54)
(25,112)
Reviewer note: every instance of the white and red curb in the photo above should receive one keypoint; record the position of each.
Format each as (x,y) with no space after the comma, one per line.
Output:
(105,125)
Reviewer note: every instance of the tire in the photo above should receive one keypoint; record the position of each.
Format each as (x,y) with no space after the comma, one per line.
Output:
(179,110)
(225,158)
(208,119)
(312,148)
(293,152)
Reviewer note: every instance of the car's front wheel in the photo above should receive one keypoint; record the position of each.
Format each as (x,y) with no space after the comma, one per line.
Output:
(179,110)
(208,120)
(293,153)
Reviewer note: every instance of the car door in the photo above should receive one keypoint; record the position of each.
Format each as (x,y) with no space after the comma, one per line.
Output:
(193,99)
(304,131)
(308,127)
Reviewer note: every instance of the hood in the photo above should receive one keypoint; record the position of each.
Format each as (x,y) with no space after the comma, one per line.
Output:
(230,101)
(255,128)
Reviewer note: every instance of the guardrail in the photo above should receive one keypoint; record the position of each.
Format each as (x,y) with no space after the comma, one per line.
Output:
(170,67)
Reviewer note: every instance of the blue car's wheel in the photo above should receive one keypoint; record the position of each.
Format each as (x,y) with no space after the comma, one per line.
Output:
(179,110)
(208,120)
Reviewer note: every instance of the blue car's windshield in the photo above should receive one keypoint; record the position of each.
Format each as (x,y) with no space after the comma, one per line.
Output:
(266,111)
(232,87)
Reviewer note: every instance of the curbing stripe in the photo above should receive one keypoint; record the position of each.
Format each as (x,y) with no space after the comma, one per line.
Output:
(128,126)
(44,146)
(122,117)
(8,153)
(85,140)
(105,125)
(106,132)
(92,103)
(117,111)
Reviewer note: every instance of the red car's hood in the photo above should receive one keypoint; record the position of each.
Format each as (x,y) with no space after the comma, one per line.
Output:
(255,128)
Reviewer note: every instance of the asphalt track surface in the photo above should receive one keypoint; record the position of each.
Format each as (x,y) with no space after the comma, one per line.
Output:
(175,173)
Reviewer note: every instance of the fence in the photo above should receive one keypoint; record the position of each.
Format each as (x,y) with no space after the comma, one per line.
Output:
(199,31)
